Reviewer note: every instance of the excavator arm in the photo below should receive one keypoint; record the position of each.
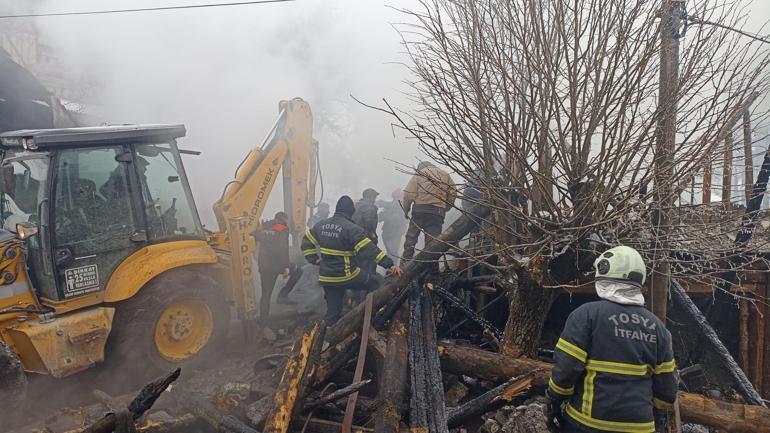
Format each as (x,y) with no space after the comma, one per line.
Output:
(290,148)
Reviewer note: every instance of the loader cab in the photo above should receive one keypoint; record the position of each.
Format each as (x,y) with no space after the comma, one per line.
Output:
(84,199)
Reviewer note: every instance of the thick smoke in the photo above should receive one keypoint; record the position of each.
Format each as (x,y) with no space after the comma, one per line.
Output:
(222,71)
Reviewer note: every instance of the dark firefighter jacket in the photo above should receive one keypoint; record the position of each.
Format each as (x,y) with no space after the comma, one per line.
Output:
(341,243)
(273,241)
(613,363)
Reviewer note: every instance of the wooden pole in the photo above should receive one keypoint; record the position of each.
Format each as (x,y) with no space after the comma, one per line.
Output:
(748,156)
(671,13)
(743,332)
(707,182)
(727,172)
(347,422)
(757,344)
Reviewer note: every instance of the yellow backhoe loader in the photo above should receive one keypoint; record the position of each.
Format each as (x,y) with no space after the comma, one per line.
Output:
(102,253)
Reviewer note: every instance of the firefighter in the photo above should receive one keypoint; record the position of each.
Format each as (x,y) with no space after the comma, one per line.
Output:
(366,217)
(428,195)
(342,244)
(614,368)
(272,258)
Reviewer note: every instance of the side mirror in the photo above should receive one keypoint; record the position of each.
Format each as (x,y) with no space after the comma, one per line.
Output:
(26,230)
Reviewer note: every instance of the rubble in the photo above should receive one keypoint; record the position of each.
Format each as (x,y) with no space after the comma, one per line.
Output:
(382,368)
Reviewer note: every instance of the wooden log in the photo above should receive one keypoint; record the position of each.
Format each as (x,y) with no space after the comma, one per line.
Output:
(735,418)
(742,383)
(291,390)
(393,385)
(203,409)
(490,400)
(141,403)
(351,322)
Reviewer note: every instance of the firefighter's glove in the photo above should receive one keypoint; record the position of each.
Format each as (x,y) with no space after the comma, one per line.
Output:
(552,412)
(661,419)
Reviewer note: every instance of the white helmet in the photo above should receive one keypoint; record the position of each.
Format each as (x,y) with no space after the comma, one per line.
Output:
(621,263)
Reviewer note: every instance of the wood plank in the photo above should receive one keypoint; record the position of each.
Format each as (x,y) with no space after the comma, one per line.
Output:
(291,388)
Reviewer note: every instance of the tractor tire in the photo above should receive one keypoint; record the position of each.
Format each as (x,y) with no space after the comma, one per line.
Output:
(13,385)
(179,318)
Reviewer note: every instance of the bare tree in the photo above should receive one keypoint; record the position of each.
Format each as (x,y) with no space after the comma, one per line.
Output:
(551,108)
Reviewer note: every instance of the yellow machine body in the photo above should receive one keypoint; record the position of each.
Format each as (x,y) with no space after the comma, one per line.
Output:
(63,337)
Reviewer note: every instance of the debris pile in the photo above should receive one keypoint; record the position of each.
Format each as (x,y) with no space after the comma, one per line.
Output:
(383,367)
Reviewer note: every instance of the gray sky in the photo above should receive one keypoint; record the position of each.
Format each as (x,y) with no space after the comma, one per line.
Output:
(222,71)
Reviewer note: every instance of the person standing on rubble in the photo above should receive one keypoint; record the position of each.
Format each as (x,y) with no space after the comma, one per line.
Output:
(428,195)
(393,223)
(342,245)
(272,258)
(366,216)
(615,367)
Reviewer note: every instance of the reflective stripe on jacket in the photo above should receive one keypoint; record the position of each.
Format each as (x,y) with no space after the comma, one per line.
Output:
(340,242)
(613,363)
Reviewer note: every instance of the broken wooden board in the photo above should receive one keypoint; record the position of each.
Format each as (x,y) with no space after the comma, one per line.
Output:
(295,378)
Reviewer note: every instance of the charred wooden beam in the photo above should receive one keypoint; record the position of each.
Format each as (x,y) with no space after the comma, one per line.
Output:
(292,388)
(337,395)
(735,418)
(351,322)
(744,386)
(392,384)
(427,401)
(490,400)
(141,404)
(471,315)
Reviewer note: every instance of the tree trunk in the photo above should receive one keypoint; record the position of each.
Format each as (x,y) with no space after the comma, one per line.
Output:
(528,308)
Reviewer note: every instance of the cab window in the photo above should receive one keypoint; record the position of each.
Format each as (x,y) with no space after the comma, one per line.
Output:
(93,217)
(168,204)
